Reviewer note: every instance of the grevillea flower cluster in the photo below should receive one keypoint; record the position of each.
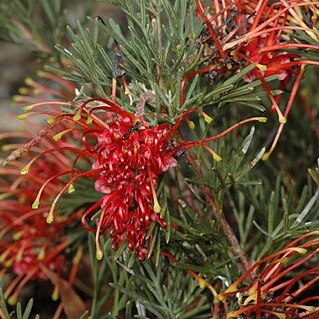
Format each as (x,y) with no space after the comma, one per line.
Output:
(279,285)
(258,34)
(28,246)
(128,157)
(30,249)
(131,156)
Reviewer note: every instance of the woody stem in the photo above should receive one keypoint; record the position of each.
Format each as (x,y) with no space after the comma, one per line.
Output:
(218,214)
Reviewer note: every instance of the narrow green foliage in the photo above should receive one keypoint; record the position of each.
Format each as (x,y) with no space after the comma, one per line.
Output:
(280,209)
(19,313)
(104,271)
(314,173)
(91,63)
(37,25)
(168,294)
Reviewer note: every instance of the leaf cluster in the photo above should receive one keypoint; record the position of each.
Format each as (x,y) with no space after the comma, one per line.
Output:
(37,25)
(19,313)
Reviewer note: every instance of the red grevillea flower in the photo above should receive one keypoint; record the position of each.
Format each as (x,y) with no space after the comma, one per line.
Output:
(131,157)
(285,286)
(128,157)
(258,33)
(27,243)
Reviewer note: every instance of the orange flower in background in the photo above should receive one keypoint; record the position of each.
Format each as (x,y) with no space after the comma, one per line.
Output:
(282,284)
(259,33)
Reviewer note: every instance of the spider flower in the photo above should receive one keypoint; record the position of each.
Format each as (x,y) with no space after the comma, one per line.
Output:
(131,157)
(285,287)
(259,34)
(27,243)
(128,157)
